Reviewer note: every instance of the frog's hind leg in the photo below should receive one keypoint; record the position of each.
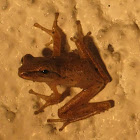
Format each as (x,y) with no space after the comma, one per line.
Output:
(79,108)
(54,98)
(59,38)
(87,49)
(84,111)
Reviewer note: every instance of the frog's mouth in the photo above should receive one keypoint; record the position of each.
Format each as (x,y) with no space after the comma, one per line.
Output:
(29,75)
(36,75)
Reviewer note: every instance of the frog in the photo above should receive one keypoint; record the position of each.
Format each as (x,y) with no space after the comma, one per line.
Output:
(83,68)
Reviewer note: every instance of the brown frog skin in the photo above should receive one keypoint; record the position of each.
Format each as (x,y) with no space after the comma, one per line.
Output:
(83,68)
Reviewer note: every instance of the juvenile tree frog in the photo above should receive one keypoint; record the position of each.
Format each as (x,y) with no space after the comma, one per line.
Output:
(83,68)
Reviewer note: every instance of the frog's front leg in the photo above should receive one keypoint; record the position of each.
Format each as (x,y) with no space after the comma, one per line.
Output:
(79,108)
(54,98)
(59,38)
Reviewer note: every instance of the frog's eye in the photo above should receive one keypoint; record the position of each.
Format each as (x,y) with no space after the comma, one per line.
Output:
(45,71)
(26,58)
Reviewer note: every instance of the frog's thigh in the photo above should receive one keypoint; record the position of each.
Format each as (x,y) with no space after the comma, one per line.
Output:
(80,100)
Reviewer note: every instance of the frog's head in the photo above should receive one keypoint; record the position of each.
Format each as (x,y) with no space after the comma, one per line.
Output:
(39,69)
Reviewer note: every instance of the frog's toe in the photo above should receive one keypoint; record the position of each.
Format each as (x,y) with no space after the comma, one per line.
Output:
(38,111)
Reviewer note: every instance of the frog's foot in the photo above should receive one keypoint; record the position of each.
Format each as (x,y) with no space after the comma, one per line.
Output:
(82,112)
(78,39)
(50,32)
(50,100)
(54,98)
(59,37)
(79,42)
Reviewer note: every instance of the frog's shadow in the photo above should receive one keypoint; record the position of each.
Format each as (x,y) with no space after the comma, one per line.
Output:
(88,39)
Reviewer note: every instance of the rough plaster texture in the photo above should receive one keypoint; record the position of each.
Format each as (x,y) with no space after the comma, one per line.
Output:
(111,22)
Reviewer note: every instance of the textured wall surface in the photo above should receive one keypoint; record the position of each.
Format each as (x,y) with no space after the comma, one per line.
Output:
(111,22)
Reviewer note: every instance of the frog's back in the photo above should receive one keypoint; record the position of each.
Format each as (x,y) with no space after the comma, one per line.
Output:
(79,72)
